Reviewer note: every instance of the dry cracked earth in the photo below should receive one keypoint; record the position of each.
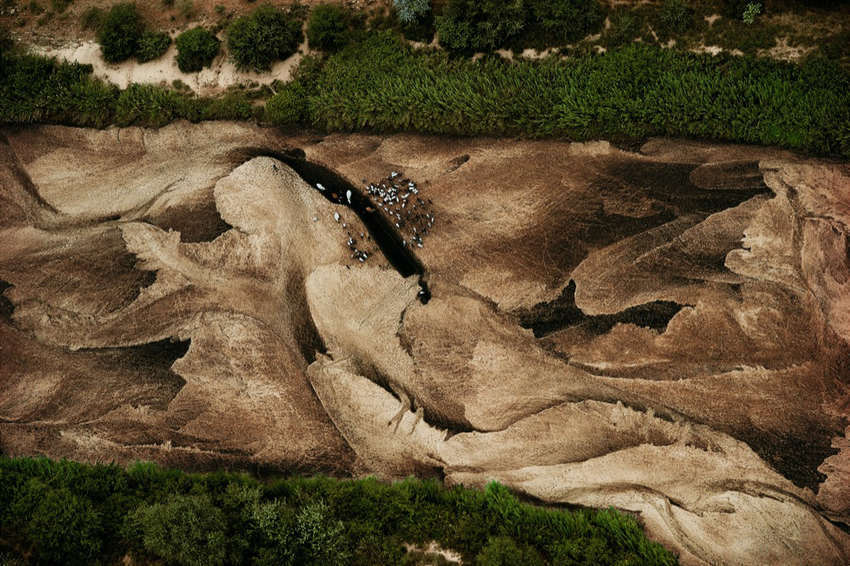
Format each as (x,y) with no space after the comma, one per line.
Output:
(662,330)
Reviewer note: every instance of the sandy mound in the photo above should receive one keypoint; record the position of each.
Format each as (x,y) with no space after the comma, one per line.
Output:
(663,331)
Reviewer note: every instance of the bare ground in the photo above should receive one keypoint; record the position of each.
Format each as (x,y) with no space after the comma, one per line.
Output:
(664,331)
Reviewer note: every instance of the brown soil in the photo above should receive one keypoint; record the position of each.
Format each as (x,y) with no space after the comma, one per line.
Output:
(663,330)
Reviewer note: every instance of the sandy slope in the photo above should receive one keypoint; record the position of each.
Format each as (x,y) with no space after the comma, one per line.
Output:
(663,331)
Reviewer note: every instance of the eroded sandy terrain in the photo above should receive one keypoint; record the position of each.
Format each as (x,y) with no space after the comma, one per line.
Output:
(664,331)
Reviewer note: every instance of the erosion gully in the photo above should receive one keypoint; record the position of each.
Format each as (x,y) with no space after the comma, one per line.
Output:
(383,233)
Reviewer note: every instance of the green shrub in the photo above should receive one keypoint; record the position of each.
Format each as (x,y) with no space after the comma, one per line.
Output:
(836,46)
(320,536)
(626,26)
(503,551)
(64,529)
(751,12)
(675,17)
(6,43)
(230,106)
(275,523)
(328,27)
(735,8)
(91,18)
(633,92)
(480,25)
(266,35)
(152,45)
(409,11)
(166,516)
(38,89)
(567,21)
(289,106)
(120,33)
(154,106)
(196,49)
(188,530)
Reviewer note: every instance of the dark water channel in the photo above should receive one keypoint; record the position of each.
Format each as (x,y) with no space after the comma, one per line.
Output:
(382,231)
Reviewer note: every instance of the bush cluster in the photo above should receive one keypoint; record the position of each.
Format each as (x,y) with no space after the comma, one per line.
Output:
(122,34)
(675,17)
(152,45)
(384,85)
(633,92)
(483,25)
(566,21)
(64,512)
(266,35)
(480,25)
(196,49)
(328,27)
(36,89)
(409,11)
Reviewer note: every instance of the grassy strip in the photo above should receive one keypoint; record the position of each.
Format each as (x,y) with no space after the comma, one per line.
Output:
(633,92)
(36,89)
(70,513)
(383,85)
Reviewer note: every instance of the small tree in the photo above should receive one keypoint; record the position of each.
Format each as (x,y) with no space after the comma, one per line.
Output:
(120,33)
(189,530)
(567,20)
(152,45)
(321,538)
(289,106)
(266,35)
(411,10)
(327,28)
(196,49)
(503,551)
(676,17)
(65,529)
(480,25)
(752,10)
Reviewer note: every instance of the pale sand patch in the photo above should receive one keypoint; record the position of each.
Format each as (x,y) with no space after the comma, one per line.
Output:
(222,74)
(712,18)
(435,548)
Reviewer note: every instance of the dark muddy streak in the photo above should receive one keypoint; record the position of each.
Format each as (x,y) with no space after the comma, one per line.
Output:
(198,224)
(672,183)
(545,318)
(22,176)
(6,306)
(381,230)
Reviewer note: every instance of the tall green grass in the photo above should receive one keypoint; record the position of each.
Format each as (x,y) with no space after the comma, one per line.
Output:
(632,92)
(63,512)
(383,85)
(36,89)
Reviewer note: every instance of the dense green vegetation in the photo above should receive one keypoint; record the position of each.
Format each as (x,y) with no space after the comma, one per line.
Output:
(152,45)
(59,512)
(196,49)
(266,35)
(383,85)
(480,25)
(631,93)
(409,11)
(122,34)
(37,89)
(328,27)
